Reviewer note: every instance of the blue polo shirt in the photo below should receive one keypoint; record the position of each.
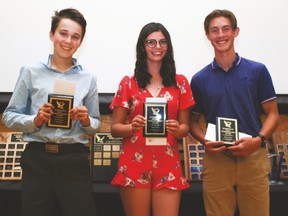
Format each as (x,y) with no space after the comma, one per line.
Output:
(237,93)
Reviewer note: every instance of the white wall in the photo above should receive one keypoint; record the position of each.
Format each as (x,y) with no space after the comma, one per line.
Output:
(114,25)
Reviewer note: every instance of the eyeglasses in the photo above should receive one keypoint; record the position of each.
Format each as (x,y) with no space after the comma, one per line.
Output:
(153,43)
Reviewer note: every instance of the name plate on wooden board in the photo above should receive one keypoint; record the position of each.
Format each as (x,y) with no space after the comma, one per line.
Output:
(105,154)
(11,148)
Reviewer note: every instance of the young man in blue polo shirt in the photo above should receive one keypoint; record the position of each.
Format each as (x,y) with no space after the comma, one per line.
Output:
(236,88)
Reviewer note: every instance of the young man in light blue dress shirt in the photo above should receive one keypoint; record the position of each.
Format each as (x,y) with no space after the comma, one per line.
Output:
(55,163)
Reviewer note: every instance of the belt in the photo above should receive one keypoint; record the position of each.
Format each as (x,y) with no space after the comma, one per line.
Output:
(56,148)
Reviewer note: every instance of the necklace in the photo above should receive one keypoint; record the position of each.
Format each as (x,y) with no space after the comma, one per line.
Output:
(158,86)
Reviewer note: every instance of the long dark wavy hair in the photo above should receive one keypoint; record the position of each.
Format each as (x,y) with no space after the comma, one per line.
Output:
(168,69)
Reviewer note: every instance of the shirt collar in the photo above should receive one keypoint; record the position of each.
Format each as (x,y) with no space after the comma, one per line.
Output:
(236,63)
(74,60)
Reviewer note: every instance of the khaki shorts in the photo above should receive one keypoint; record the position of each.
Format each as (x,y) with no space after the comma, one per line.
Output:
(230,182)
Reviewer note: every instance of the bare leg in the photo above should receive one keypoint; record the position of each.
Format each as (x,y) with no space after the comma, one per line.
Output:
(166,202)
(136,201)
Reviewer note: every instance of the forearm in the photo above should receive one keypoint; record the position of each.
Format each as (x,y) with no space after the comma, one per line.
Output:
(269,125)
(19,122)
(93,126)
(122,130)
(183,131)
(197,133)
(272,119)
(195,128)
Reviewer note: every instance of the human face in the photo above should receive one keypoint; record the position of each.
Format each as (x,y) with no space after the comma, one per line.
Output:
(221,35)
(157,53)
(66,38)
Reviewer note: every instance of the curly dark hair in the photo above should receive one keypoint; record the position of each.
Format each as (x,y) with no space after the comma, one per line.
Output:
(168,69)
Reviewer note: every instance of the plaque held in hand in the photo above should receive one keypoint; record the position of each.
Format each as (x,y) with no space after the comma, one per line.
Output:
(227,130)
(156,115)
(61,116)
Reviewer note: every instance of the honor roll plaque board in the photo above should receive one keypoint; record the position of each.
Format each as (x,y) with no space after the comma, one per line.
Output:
(105,154)
(11,148)
(280,142)
(193,159)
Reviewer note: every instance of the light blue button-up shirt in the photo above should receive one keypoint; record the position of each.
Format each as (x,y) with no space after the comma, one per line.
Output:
(34,84)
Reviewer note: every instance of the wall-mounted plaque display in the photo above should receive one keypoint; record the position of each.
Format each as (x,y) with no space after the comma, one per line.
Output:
(61,116)
(11,148)
(105,154)
(280,144)
(193,158)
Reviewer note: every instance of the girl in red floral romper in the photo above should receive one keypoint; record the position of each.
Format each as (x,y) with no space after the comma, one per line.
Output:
(150,177)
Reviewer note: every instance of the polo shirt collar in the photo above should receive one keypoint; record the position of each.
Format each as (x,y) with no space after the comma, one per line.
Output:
(236,63)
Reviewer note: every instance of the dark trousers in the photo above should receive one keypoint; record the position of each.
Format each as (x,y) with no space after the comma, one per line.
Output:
(61,179)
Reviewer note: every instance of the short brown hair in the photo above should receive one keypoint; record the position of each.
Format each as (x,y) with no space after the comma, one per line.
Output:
(220,13)
(69,13)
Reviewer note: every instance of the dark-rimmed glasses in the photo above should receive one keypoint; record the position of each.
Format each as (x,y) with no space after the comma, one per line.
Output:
(153,43)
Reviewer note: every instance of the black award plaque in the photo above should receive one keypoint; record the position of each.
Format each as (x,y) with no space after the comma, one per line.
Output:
(61,116)
(156,115)
(227,130)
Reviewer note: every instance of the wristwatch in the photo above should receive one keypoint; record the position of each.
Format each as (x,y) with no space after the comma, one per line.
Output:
(264,140)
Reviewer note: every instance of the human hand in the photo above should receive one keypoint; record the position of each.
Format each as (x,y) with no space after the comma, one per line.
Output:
(80,113)
(214,146)
(44,114)
(137,123)
(244,146)
(173,127)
